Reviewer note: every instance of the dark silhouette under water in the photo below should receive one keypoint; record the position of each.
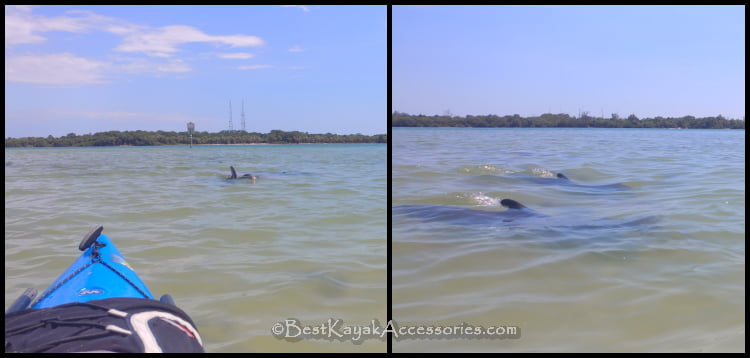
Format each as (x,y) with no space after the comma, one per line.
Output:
(517,214)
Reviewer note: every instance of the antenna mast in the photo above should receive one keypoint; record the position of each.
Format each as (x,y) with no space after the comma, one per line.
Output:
(243,114)
(230,114)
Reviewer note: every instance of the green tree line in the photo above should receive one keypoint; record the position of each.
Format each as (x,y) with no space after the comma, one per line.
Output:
(399,119)
(141,138)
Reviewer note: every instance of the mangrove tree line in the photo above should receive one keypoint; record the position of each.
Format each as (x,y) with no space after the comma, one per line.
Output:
(141,138)
(399,119)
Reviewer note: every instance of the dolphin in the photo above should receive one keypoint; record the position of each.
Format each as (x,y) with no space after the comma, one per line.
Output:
(467,216)
(564,180)
(244,176)
(560,179)
(516,213)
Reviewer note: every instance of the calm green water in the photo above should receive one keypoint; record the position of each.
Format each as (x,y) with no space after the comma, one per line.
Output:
(307,240)
(659,267)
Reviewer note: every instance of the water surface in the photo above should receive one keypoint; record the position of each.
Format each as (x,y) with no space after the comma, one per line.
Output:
(645,251)
(307,240)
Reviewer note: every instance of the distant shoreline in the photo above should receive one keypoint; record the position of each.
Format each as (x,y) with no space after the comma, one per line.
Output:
(448,127)
(562,120)
(279,143)
(158,138)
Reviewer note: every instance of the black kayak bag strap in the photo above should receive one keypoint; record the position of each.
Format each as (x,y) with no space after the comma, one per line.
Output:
(124,325)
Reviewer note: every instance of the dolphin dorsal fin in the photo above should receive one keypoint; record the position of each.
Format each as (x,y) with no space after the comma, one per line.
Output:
(512,204)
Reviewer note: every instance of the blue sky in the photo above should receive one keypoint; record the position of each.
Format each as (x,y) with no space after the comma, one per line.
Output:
(87,69)
(649,61)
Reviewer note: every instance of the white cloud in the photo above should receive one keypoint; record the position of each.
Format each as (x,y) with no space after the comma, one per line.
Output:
(22,27)
(136,117)
(154,67)
(163,41)
(253,67)
(304,8)
(108,24)
(178,66)
(123,115)
(57,70)
(19,8)
(296,48)
(236,56)
(69,70)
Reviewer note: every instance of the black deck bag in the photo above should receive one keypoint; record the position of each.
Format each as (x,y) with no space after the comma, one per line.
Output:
(125,325)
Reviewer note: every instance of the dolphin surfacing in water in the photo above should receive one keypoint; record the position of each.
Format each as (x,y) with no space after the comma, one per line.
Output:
(560,180)
(517,214)
(467,216)
(564,180)
(512,204)
(244,176)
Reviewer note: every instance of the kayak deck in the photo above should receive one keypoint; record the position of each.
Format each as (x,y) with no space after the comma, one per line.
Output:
(99,304)
(100,272)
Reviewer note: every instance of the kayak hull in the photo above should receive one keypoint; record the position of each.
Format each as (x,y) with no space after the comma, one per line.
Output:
(100,272)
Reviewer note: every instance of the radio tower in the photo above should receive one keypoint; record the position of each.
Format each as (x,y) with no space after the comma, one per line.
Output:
(230,114)
(243,115)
